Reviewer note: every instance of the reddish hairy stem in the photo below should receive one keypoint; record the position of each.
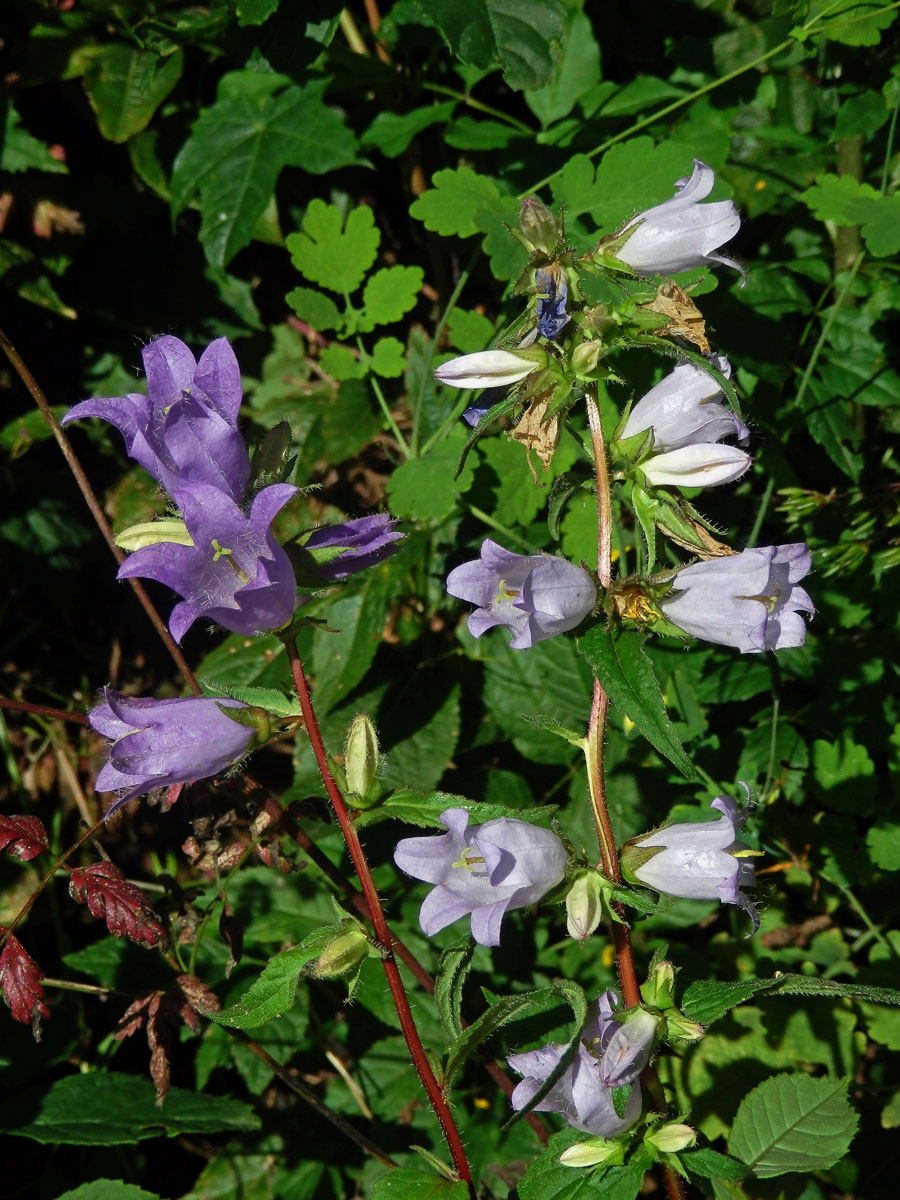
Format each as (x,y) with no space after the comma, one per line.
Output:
(94,505)
(379,924)
(41,710)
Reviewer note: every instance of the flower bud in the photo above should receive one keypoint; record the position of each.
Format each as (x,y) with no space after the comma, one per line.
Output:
(702,465)
(151,533)
(271,461)
(488,368)
(584,906)
(659,989)
(539,225)
(593,1152)
(344,954)
(361,758)
(585,359)
(680,1029)
(671,1137)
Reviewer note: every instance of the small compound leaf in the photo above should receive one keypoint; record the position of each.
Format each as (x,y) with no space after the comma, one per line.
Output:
(108,894)
(20,980)
(22,837)
(793,1123)
(319,311)
(331,253)
(389,294)
(450,205)
(846,201)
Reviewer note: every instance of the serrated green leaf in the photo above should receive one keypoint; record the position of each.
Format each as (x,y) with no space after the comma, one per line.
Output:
(861,115)
(518,498)
(527,34)
(469,331)
(450,205)
(254,12)
(712,1165)
(851,22)
(271,994)
(388,358)
(108,1189)
(548,1179)
(406,1183)
(552,726)
(239,146)
(453,968)
(342,364)
(793,1123)
(424,809)
(331,253)
(576,71)
(507,1008)
(389,295)
(270,699)
(846,201)
(626,675)
(424,488)
(883,844)
(707,1000)
(125,86)
(23,152)
(317,310)
(110,1109)
(391,132)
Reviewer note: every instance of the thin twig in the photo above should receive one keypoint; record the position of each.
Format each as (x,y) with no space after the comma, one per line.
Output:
(41,710)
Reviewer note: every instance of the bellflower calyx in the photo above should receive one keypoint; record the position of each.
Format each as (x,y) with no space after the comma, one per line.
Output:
(487,368)
(157,743)
(534,595)
(749,600)
(696,860)
(184,430)
(235,573)
(683,410)
(579,1095)
(680,233)
(486,871)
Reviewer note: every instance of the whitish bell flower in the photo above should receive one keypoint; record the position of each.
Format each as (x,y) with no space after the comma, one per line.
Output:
(749,600)
(579,1095)
(680,233)
(684,409)
(487,368)
(486,871)
(696,860)
(628,1050)
(534,595)
(706,465)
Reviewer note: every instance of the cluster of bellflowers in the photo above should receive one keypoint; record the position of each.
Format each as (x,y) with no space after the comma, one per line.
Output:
(686,432)
(217,551)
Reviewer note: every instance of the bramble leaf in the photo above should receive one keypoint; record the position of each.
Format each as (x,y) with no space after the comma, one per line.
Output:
(20,979)
(22,837)
(272,993)
(108,894)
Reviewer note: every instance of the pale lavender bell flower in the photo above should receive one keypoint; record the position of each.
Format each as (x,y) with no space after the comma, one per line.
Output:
(680,233)
(157,743)
(534,595)
(579,1095)
(365,541)
(486,870)
(235,573)
(628,1050)
(683,410)
(749,600)
(185,429)
(696,860)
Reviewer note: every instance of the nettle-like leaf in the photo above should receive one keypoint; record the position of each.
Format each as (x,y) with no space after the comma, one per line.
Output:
(626,674)
(527,34)
(239,146)
(846,201)
(20,980)
(109,895)
(23,152)
(22,837)
(392,132)
(706,1000)
(271,994)
(424,809)
(331,253)
(851,22)
(453,969)
(793,1123)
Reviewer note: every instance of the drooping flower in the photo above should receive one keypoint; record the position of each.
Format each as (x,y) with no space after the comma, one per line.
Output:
(184,431)
(365,542)
(553,293)
(749,600)
(235,573)
(579,1096)
(487,368)
(487,871)
(683,410)
(485,402)
(703,465)
(628,1049)
(680,233)
(534,595)
(157,743)
(696,860)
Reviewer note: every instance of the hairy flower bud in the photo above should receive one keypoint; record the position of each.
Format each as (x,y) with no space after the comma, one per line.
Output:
(670,1137)
(593,1152)
(585,359)
(680,1029)
(344,954)
(584,905)
(361,758)
(659,990)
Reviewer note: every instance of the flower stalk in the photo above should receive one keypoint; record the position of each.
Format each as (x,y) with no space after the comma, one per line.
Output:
(379,924)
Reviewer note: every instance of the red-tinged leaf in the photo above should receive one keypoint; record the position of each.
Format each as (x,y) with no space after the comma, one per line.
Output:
(160,1013)
(108,894)
(20,978)
(22,837)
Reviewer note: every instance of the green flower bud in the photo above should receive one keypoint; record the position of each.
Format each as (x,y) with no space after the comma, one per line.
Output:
(584,906)
(539,225)
(344,954)
(361,759)
(253,717)
(585,359)
(659,990)
(151,533)
(680,1029)
(670,1137)
(593,1152)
